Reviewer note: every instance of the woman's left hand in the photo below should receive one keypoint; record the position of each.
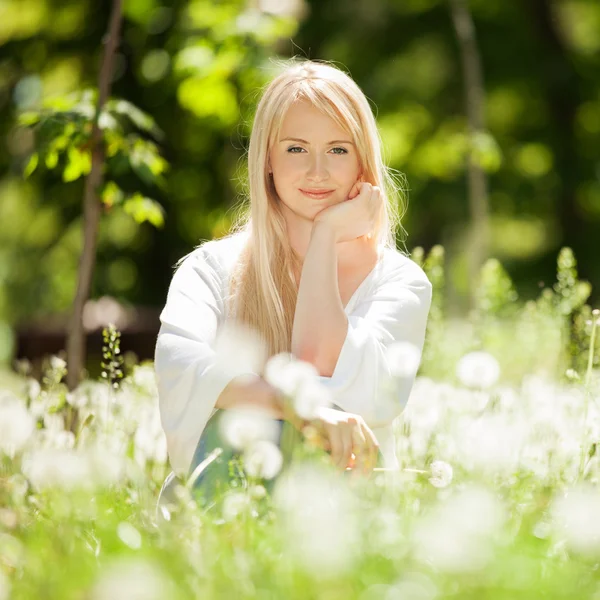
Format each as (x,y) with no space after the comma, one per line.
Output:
(354,217)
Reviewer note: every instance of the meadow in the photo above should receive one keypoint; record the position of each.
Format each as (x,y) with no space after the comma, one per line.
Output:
(496,497)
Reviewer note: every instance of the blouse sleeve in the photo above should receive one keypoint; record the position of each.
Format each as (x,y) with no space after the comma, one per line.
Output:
(396,311)
(188,381)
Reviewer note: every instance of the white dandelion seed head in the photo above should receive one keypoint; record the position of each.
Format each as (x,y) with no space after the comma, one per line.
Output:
(263,459)
(478,370)
(320,514)
(457,535)
(16,425)
(144,377)
(310,397)
(242,427)
(575,517)
(132,579)
(129,535)
(441,474)
(235,504)
(287,374)
(404,359)
(64,469)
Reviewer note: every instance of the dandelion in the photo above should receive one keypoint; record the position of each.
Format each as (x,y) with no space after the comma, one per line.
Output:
(575,517)
(16,426)
(298,380)
(129,535)
(57,363)
(311,397)
(404,359)
(263,459)
(132,579)
(457,535)
(65,469)
(441,474)
(478,370)
(287,374)
(320,515)
(242,427)
(235,504)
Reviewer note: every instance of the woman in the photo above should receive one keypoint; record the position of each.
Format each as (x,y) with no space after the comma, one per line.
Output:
(313,268)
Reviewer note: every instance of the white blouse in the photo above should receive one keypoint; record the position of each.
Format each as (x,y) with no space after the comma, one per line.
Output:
(391,304)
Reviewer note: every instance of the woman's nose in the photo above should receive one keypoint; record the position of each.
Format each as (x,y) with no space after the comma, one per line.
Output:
(317,168)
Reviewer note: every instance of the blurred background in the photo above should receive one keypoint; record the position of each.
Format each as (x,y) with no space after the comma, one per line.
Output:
(196,68)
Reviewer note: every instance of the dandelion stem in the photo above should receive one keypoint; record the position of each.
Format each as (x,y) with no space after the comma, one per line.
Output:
(588,377)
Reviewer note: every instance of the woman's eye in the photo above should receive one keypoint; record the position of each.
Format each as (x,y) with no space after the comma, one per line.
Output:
(293,148)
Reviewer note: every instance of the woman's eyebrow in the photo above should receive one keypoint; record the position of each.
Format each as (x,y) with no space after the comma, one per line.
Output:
(293,139)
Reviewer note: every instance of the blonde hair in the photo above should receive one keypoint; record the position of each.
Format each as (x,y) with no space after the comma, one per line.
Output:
(263,289)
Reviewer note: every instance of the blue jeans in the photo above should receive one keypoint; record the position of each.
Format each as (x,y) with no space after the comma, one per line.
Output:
(216,475)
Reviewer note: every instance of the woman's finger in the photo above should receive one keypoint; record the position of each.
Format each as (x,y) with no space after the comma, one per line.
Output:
(362,450)
(337,443)
(348,445)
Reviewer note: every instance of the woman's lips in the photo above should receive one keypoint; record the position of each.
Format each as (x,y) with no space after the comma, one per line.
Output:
(317,195)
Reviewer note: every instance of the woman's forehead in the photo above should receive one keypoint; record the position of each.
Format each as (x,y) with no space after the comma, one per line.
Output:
(305,121)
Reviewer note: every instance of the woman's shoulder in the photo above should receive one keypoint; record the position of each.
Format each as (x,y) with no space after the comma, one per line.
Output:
(398,265)
(221,253)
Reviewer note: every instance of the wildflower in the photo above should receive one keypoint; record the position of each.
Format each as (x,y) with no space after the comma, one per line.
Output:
(321,516)
(310,398)
(16,425)
(64,469)
(132,579)
(57,363)
(263,459)
(298,380)
(575,516)
(242,427)
(456,536)
(129,535)
(441,474)
(478,370)
(235,504)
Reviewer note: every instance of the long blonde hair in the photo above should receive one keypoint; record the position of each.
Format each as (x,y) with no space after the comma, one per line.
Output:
(263,289)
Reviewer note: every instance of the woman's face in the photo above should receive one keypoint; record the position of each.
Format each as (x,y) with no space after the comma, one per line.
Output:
(312,153)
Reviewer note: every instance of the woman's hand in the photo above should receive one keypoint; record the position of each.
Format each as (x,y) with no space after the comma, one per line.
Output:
(346,435)
(354,217)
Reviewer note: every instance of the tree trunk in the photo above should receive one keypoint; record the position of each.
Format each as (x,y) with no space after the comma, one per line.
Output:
(478,242)
(561,83)
(76,349)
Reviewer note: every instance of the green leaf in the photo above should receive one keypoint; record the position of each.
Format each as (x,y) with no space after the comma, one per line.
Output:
(78,163)
(51,159)
(112,194)
(31,165)
(145,209)
(139,118)
(29,118)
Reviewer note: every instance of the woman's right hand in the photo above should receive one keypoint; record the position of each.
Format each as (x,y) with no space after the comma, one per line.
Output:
(345,434)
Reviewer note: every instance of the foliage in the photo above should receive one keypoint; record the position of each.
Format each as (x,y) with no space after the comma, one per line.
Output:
(64,128)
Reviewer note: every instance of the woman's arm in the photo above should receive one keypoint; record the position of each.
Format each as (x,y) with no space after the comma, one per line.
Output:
(319,306)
